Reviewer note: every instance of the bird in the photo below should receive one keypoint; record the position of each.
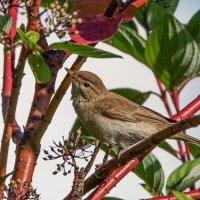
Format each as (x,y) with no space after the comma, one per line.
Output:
(112,118)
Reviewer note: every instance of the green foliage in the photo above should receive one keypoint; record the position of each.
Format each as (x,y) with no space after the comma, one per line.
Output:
(150,170)
(33,36)
(194,26)
(184,176)
(30,39)
(39,68)
(150,14)
(181,196)
(132,95)
(5,23)
(171,53)
(111,198)
(167,147)
(83,50)
(194,150)
(128,41)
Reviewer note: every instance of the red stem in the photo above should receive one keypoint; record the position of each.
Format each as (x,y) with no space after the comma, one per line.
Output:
(9,62)
(8,58)
(119,173)
(113,179)
(164,98)
(194,194)
(189,110)
(183,154)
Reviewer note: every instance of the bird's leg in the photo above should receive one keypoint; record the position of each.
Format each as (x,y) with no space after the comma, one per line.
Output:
(108,151)
(118,161)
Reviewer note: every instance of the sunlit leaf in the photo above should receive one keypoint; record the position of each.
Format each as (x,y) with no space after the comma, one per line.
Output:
(29,39)
(33,36)
(39,68)
(172,53)
(83,50)
(184,176)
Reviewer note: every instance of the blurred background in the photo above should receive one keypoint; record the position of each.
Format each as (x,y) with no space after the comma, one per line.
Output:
(115,73)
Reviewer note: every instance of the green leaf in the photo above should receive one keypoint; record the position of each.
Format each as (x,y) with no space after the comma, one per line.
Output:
(29,39)
(148,189)
(181,196)
(5,23)
(39,68)
(111,198)
(167,147)
(33,36)
(83,50)
(150,170)
(172,53)
(152,13)
(132,95)
(194,150)
(194,28)
(184,176)
(128,41)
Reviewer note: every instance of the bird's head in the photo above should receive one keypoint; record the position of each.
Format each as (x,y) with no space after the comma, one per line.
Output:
(86,85)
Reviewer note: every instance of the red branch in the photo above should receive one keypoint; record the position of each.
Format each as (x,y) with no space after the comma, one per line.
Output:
(9,58)
(189,110)
(194,194)
(111,181)
(164,98)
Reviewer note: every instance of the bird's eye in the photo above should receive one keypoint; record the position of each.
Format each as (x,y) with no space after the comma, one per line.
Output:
(86,84)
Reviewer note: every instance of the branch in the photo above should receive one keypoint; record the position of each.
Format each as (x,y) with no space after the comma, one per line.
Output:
(7,132)
(46,119)
(139,151)
(188,111)
(25,155)
(164,97)
(94,155)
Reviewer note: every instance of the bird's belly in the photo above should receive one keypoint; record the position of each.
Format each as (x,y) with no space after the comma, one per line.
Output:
(114,131)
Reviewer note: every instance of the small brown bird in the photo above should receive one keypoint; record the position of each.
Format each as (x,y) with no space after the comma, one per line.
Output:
(112,118)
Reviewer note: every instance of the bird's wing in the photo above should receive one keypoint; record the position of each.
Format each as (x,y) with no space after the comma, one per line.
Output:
(117,107)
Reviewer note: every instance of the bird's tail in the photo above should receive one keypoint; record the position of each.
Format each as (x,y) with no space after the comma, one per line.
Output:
(186,138)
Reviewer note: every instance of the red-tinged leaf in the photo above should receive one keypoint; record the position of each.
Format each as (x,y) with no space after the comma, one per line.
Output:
(90,7)
(129,13)
(93,29)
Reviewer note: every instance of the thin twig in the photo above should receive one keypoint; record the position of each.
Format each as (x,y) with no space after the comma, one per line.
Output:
(107,153)
(55,103)
(91,161)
